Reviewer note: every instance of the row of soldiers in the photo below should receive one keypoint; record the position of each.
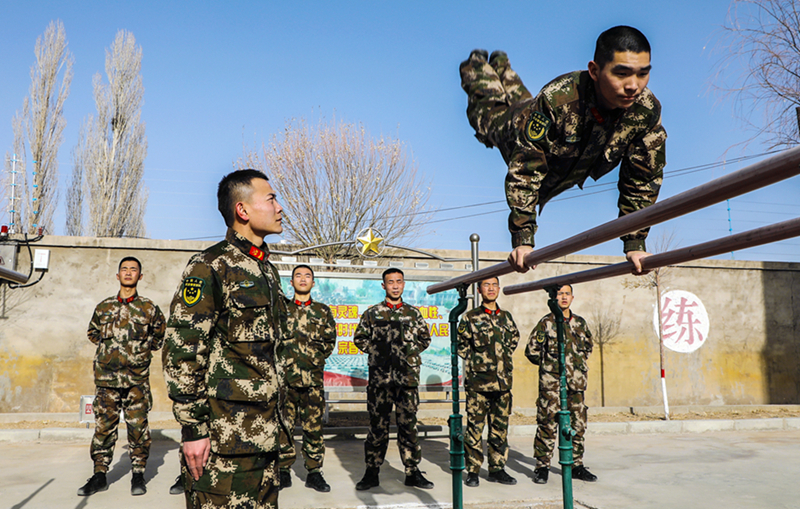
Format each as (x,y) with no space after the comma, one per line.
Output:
(229,317)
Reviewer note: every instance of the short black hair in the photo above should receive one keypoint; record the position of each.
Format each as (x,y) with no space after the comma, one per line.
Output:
(303,267)
(488,278)
(232,189)
(391,270)
(130,259)
(620,38)
(570,288)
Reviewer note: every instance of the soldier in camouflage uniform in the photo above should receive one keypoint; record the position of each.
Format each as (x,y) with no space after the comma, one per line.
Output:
(126,328)
(487,338)
(393,334)
(302,356)
(542,350)
(582,124)
(225,322)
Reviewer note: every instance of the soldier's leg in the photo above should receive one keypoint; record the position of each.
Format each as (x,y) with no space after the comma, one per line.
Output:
(497,439)
(512,84)
(311,416)
(106,405)
(406,406)
(237,482)
(289,411)
(489,106)
(547,425)
(137,403)
(379,406)
(578,416)
(476,416)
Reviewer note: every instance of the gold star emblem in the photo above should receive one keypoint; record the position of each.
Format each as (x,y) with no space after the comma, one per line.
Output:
(370,243)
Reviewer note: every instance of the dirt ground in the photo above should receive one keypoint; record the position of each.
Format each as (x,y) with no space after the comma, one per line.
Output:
(360,418)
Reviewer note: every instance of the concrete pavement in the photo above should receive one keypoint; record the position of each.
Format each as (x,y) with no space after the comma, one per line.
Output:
(696,466)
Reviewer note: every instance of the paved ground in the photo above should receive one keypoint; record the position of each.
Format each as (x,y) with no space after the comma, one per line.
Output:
(729,469)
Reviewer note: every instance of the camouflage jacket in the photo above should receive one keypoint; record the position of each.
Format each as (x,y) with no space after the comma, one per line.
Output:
(226,319)
(126,333)
(543,348)
(312,336)
(486,341)
(564,138)
(393,337)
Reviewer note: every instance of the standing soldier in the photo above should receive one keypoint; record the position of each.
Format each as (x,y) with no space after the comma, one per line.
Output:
(302,356)
(126,328)
(393,334)
(580,125)
(225,322)
(543,350)
(487,338)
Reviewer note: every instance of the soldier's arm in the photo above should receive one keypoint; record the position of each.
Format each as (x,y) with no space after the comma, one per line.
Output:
(589,339)
(464,338)
(514,333)
(186,349)
(94,334)
(158,328)
(423,334)
(328,333)
(363,335)
(534,349)
(640,176)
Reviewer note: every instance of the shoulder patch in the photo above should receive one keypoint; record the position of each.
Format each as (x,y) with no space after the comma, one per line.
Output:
(192,290)
(537,126)
(462,328)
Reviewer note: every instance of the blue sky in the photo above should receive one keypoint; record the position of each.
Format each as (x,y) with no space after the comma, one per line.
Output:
(220,74)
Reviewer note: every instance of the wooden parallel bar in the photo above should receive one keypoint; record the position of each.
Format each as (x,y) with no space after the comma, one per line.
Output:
(757,237)
(761,174)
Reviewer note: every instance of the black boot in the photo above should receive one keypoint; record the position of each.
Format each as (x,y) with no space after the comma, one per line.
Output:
(418,480)
(502,477)
(370,479)
(138,484)
(583,474)
(96,483)
(540,475)
(315,481)
(472,479)
(177,488)
(286,479)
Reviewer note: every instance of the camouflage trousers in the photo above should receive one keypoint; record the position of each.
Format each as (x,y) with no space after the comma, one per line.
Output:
(305,404)
(498,109)
(380,399)
(135,402)
(234,482)
(494,407)
(547,407)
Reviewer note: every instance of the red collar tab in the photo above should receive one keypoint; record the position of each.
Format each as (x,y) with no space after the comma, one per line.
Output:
(258,254)
(128,300)
(492,311)
(598,116)
(301,303)
(394,306)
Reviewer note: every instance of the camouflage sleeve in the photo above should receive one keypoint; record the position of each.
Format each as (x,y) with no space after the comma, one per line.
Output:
(423,334)
(363,335)
(158,327)
(193,315)
(589,341)
(640,176)
(534,349)
(94,328)
(514,333)
(329,333)
(527,168)
(464,338)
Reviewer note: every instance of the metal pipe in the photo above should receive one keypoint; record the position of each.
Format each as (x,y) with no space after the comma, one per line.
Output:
(456,422)
(764,235)
(14,276)
(761,174)
(474,239)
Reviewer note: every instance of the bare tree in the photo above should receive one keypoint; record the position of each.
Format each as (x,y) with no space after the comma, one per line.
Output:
(39,129)
(109,158)
(334,180)
(605,329)
(760,68)
(658,279)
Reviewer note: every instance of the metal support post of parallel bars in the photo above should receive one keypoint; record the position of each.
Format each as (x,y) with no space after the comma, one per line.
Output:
(456,423)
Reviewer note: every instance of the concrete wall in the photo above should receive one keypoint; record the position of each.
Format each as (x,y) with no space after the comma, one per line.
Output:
(750,356)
